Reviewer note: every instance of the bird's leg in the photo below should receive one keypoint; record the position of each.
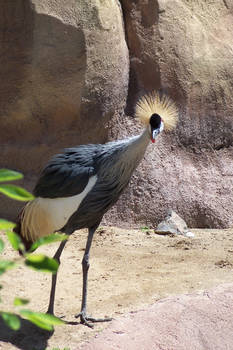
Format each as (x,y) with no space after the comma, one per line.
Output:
(85,267)
(54,279)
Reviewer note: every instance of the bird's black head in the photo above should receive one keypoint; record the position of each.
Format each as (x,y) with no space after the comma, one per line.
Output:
(155,121)
(156,125)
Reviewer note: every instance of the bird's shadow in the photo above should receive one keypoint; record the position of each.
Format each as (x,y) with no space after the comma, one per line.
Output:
(28,337)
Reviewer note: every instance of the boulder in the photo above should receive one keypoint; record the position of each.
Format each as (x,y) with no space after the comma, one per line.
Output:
(201,320)
(64,73)
(173,224)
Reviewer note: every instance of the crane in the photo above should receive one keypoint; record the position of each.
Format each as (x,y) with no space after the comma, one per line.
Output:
(78,186)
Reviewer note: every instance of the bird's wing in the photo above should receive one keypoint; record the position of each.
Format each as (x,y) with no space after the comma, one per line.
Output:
(66,174)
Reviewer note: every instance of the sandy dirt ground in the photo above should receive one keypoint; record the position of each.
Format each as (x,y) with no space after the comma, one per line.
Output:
(129,270)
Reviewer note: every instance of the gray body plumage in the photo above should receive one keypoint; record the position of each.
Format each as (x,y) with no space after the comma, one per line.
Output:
(67,174)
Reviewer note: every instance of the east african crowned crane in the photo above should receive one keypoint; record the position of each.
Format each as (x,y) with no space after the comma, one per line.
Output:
(77,188)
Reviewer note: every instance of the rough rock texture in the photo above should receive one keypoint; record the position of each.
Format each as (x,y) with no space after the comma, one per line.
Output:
(64,72)
(198,321)
(184,48)
(196,184)
(173,224)
(60,63)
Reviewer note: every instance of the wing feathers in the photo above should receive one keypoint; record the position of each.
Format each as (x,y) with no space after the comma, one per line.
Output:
(43,216)
(66,174)
(36,221)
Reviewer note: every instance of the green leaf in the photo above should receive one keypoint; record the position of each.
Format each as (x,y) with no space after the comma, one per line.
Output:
(14,240)
(1,245)
(9,175)
(20,301)
(42,320)
(6,265)
(54,237)
(6,225)
(42,263)
(145,228)
(11,320)
(16,192)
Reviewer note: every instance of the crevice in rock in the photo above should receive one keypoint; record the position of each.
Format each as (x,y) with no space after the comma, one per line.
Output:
(139,16)
(223,146)
(226,4)
(132,83)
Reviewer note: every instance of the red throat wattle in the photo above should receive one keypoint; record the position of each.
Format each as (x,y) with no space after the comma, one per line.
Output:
(152,140)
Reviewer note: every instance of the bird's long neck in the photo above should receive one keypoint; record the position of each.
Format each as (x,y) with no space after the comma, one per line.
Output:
(125,156)
(136,148)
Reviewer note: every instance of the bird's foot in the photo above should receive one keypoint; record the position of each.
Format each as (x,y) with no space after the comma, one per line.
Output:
(50,312)
(84,319)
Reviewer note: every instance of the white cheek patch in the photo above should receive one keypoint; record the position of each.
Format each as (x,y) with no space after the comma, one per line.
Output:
(161,126)
(61,209)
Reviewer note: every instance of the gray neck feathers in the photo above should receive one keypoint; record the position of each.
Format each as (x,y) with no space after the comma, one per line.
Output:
(125,160)
(135,150)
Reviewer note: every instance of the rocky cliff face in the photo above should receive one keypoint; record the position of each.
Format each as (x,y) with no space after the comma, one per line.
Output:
(68,67)
(184,48)
(64,73)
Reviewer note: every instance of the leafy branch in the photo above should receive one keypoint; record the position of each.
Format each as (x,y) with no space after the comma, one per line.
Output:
(38,262)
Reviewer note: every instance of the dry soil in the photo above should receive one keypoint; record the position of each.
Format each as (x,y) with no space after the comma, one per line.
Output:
(129,269)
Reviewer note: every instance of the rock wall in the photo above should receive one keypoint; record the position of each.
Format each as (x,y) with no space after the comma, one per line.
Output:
(185,49)
(64,73)
(67,68)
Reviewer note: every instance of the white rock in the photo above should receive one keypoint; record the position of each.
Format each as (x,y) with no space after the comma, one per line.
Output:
(173,224)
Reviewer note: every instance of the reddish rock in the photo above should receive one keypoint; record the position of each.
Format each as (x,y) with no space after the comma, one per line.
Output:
(198,321)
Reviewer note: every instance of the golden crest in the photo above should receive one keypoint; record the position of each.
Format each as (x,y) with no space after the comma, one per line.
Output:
(162,105)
